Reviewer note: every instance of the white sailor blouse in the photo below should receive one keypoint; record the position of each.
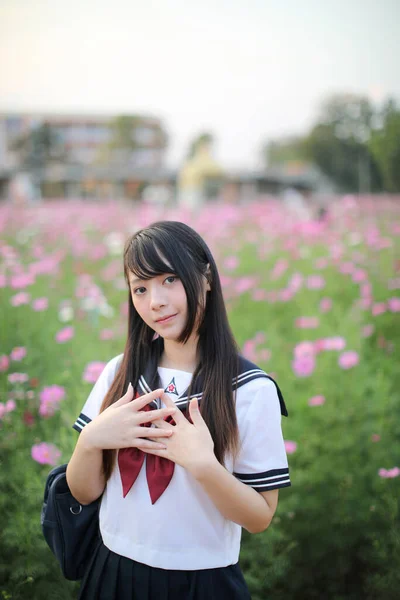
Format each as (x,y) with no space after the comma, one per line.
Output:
(161,516)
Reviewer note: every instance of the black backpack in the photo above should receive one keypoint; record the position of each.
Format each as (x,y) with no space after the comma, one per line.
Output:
(70,529)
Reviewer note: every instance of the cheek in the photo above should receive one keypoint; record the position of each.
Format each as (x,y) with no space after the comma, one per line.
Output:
(139,307)
(181,297)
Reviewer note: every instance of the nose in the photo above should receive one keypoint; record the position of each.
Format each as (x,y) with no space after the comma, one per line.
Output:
(157,297)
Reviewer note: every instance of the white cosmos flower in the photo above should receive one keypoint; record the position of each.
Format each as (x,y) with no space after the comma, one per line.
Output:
(106,310)
(66,314)
(115,243)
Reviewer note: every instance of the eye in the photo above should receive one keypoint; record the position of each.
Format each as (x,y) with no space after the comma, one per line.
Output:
(139,291)
(173,277)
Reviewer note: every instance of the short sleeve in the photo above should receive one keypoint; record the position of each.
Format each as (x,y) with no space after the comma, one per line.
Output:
(91,408)
(262,461)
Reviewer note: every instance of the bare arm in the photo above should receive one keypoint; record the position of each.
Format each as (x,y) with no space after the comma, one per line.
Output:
(85,476)
(235,500)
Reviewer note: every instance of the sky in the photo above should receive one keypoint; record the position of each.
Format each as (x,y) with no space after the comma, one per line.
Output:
(247,71)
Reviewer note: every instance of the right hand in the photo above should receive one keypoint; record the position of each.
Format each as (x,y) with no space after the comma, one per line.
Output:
(119,426)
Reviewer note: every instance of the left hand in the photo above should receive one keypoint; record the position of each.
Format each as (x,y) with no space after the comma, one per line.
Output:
(191,445)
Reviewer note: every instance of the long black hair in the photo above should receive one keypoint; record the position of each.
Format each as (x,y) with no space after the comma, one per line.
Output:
(174,247)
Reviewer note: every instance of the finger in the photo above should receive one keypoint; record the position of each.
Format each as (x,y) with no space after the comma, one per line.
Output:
(161,424)
(178,416)
(150,445)
(156,452)
(127,397)
(153,415)
(154,432)
(142,401)
(194,412)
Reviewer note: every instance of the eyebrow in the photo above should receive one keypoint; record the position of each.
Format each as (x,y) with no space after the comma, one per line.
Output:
(135,281)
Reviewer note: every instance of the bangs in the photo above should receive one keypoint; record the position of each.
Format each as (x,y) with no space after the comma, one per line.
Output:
(146,260)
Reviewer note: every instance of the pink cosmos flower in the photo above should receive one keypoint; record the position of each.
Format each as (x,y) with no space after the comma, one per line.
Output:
(93,371)
(259,338)
(346,268)
(367,330)
(40,304)
(332,343)
(378,308)
(18,353)
(359,275)
(290,446)
(366,289)
(259,295)
(124,309)
(45,454)
(295,282)
(364,303)
(349,359)
(325,305)
(389,473)
(10,405)
(315,282)
(21,281)
(279,268)
(50,398)
(19,299)
(4,362)
(316,401)
(265,354)
(286,294)
(231,263)
(106,334)
(64,335)
(307,322)
(249,350)
(304,349)
(244,284)
(303,366)
(18,377)
(375,437)
(394,304)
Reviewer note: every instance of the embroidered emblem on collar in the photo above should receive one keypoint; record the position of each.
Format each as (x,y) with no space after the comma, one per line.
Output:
(171,388)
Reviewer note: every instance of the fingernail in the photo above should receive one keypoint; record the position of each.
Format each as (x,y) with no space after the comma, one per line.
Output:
(129,386)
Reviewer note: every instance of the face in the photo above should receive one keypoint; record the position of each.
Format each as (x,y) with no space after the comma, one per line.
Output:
(161,303)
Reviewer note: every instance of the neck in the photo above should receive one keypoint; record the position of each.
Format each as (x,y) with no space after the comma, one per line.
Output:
(180,356)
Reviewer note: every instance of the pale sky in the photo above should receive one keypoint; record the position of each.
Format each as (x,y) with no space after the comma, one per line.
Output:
(246,70)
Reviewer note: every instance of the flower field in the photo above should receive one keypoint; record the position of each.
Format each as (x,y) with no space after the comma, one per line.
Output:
(314,303)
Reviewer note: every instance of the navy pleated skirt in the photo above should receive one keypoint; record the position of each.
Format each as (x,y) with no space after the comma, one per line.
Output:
(110,576)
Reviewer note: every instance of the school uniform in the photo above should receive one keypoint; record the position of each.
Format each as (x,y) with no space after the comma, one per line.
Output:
(162,536)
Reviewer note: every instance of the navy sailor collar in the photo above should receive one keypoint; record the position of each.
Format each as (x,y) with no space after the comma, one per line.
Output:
(247,371)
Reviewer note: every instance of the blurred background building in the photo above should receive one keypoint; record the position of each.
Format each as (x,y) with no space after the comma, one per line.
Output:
(123,157)
(83,156)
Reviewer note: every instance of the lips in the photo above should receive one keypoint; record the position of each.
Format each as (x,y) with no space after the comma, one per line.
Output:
(165,319)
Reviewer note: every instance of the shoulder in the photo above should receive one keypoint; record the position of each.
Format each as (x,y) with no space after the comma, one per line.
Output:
(255,386)
(91,408)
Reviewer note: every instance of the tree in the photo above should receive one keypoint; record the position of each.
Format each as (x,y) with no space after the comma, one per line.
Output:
(338,143)
(39,147)
(123,139)
(281,152)
(385,146)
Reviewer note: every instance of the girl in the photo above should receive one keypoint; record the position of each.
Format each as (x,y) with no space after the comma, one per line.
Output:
(181,436)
